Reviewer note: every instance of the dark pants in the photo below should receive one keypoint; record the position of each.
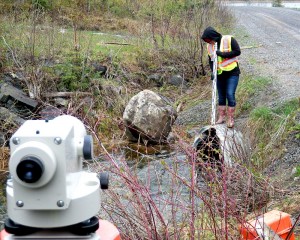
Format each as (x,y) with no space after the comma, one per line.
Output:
(226,90)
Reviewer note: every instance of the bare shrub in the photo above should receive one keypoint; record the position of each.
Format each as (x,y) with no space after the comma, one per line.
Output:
(181,197)
(176,30)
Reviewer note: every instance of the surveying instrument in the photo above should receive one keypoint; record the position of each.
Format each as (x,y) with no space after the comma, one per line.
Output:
(49,196)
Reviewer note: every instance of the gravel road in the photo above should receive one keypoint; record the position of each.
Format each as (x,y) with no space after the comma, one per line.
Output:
(275,35)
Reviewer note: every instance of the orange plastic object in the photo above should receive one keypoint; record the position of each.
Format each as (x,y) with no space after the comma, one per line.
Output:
(108,231)
(3,235)
(279,222)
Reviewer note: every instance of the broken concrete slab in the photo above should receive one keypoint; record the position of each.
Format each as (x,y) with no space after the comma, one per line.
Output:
(8,91)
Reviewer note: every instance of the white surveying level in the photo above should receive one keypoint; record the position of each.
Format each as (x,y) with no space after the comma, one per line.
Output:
(48,188)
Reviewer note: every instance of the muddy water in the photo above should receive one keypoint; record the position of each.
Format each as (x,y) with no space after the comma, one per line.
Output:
(162,173)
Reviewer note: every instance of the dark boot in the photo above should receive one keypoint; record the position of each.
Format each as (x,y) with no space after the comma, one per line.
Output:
(222,114)
(230,115)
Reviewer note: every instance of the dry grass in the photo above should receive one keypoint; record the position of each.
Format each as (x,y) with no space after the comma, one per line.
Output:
(4,155)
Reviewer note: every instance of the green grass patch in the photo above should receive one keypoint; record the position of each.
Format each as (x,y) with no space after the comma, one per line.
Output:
(296,129)
(54,41)
(297,173)
(248,87)
(269,128)
(63,56)
(109,43)
(252,84)
(287,108)
(262,114)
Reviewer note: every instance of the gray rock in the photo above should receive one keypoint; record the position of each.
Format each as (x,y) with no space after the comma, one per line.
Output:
(149,117)
(50,112)
(177,80)
(2,139)
(99,68)
(156,79)
(7,116)
(61,101)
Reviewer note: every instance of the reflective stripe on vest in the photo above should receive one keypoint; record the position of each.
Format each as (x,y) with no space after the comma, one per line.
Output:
(224,64)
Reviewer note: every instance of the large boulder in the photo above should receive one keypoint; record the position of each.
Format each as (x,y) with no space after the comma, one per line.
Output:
(148,117)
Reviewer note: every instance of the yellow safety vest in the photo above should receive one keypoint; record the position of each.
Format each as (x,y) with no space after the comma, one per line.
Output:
(224,64)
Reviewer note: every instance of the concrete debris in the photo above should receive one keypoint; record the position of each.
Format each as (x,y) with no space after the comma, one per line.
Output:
(8,91)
